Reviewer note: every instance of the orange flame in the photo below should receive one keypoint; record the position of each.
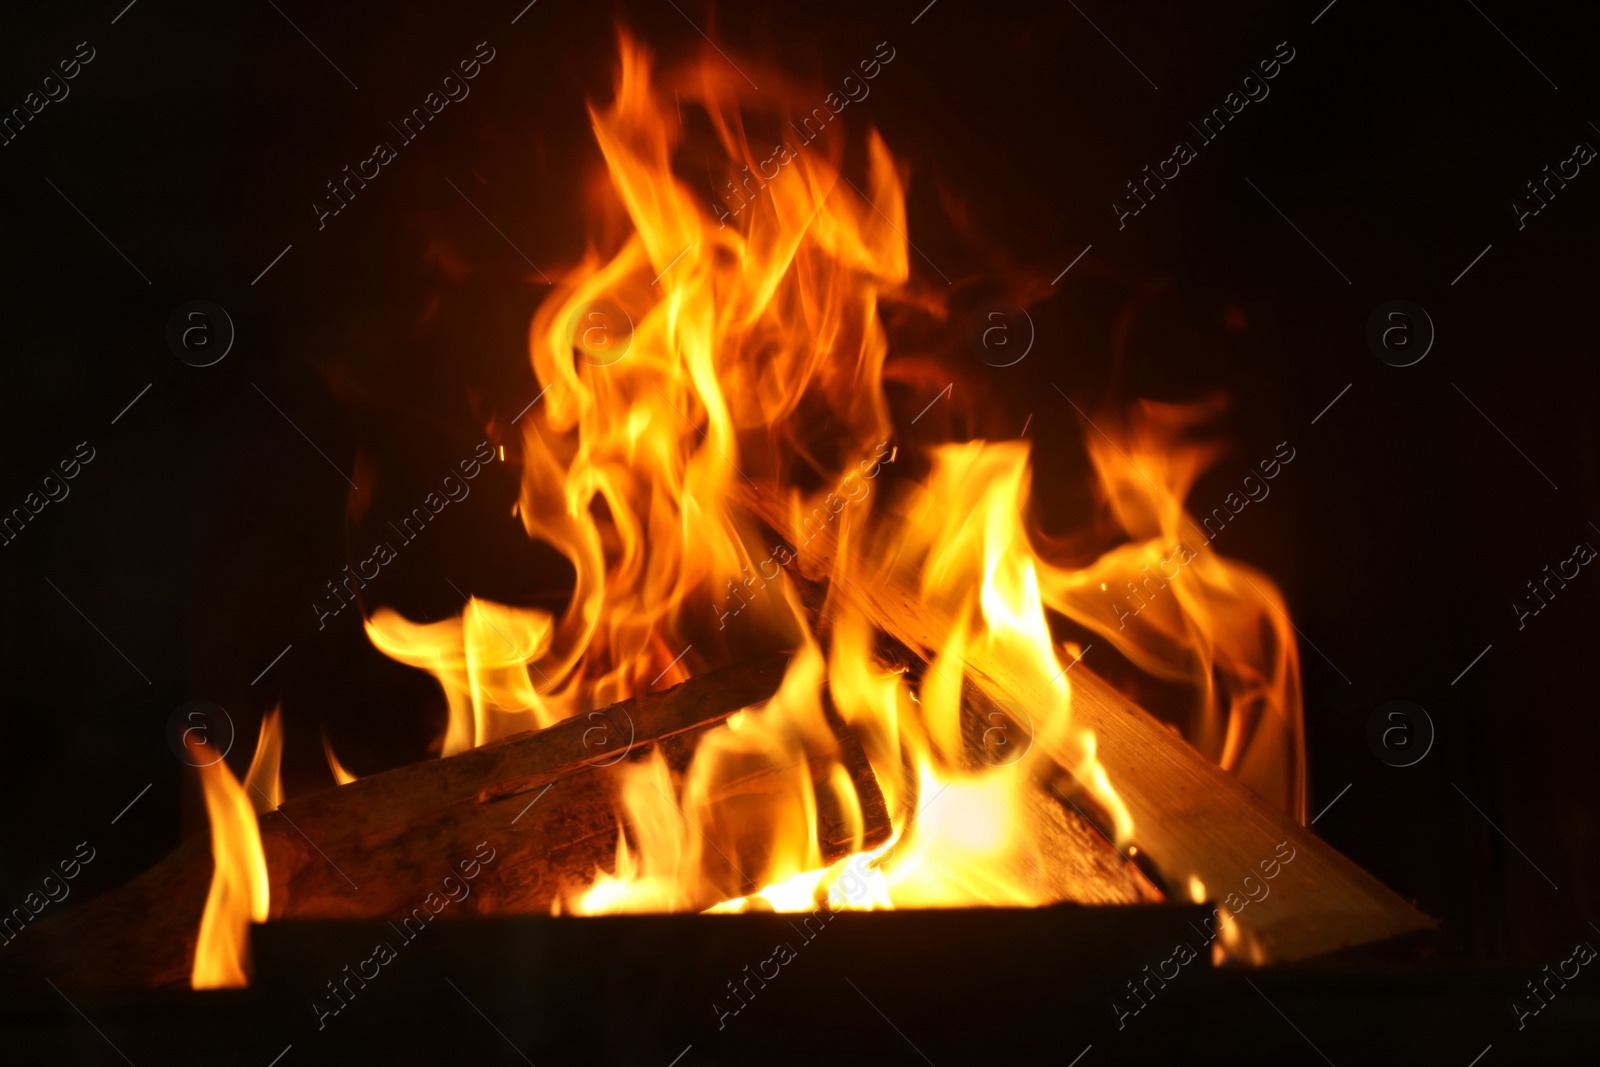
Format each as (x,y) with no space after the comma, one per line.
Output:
(1181,611)
(239,890)
(340,775)
(261,782)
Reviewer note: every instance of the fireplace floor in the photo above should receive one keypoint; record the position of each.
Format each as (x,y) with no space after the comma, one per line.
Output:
(941,987)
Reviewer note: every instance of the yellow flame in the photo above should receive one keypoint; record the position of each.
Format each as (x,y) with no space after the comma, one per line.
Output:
(239,889)
(745,815)
(486,662)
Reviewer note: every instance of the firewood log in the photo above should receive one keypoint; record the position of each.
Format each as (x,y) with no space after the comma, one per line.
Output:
(377,847)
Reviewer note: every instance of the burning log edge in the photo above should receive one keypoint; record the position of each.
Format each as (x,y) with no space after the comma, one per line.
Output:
(1190,817)
(380,846)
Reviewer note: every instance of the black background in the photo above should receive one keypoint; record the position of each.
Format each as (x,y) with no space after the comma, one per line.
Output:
(198,138)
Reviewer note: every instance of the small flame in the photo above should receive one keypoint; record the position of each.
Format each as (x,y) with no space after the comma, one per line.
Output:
(483,660)
(239,889)
(340,775)
(261,781)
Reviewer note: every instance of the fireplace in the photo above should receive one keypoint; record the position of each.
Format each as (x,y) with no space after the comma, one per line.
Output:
(709,570)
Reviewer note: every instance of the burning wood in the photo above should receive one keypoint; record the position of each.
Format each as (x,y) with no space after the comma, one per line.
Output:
(1206,832)
(544,802)
(762,347)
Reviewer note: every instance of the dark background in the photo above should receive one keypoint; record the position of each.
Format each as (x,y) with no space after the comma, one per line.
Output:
(195,541)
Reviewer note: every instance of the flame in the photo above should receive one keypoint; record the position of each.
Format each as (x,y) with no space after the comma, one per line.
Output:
(340,775)
(239,890)
(483,660)
(1182,612)
(261,781)
(710,840)
(961,829)
(696,349)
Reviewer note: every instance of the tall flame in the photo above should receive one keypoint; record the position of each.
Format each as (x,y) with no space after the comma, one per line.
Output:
(659,362)
(239,890)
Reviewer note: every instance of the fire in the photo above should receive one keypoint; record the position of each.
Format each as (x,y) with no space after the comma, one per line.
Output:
(695,850)
(482,660)
(1203,620)
(340,775)
(239,891)
(685,363)
(262,784)
(961,535)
